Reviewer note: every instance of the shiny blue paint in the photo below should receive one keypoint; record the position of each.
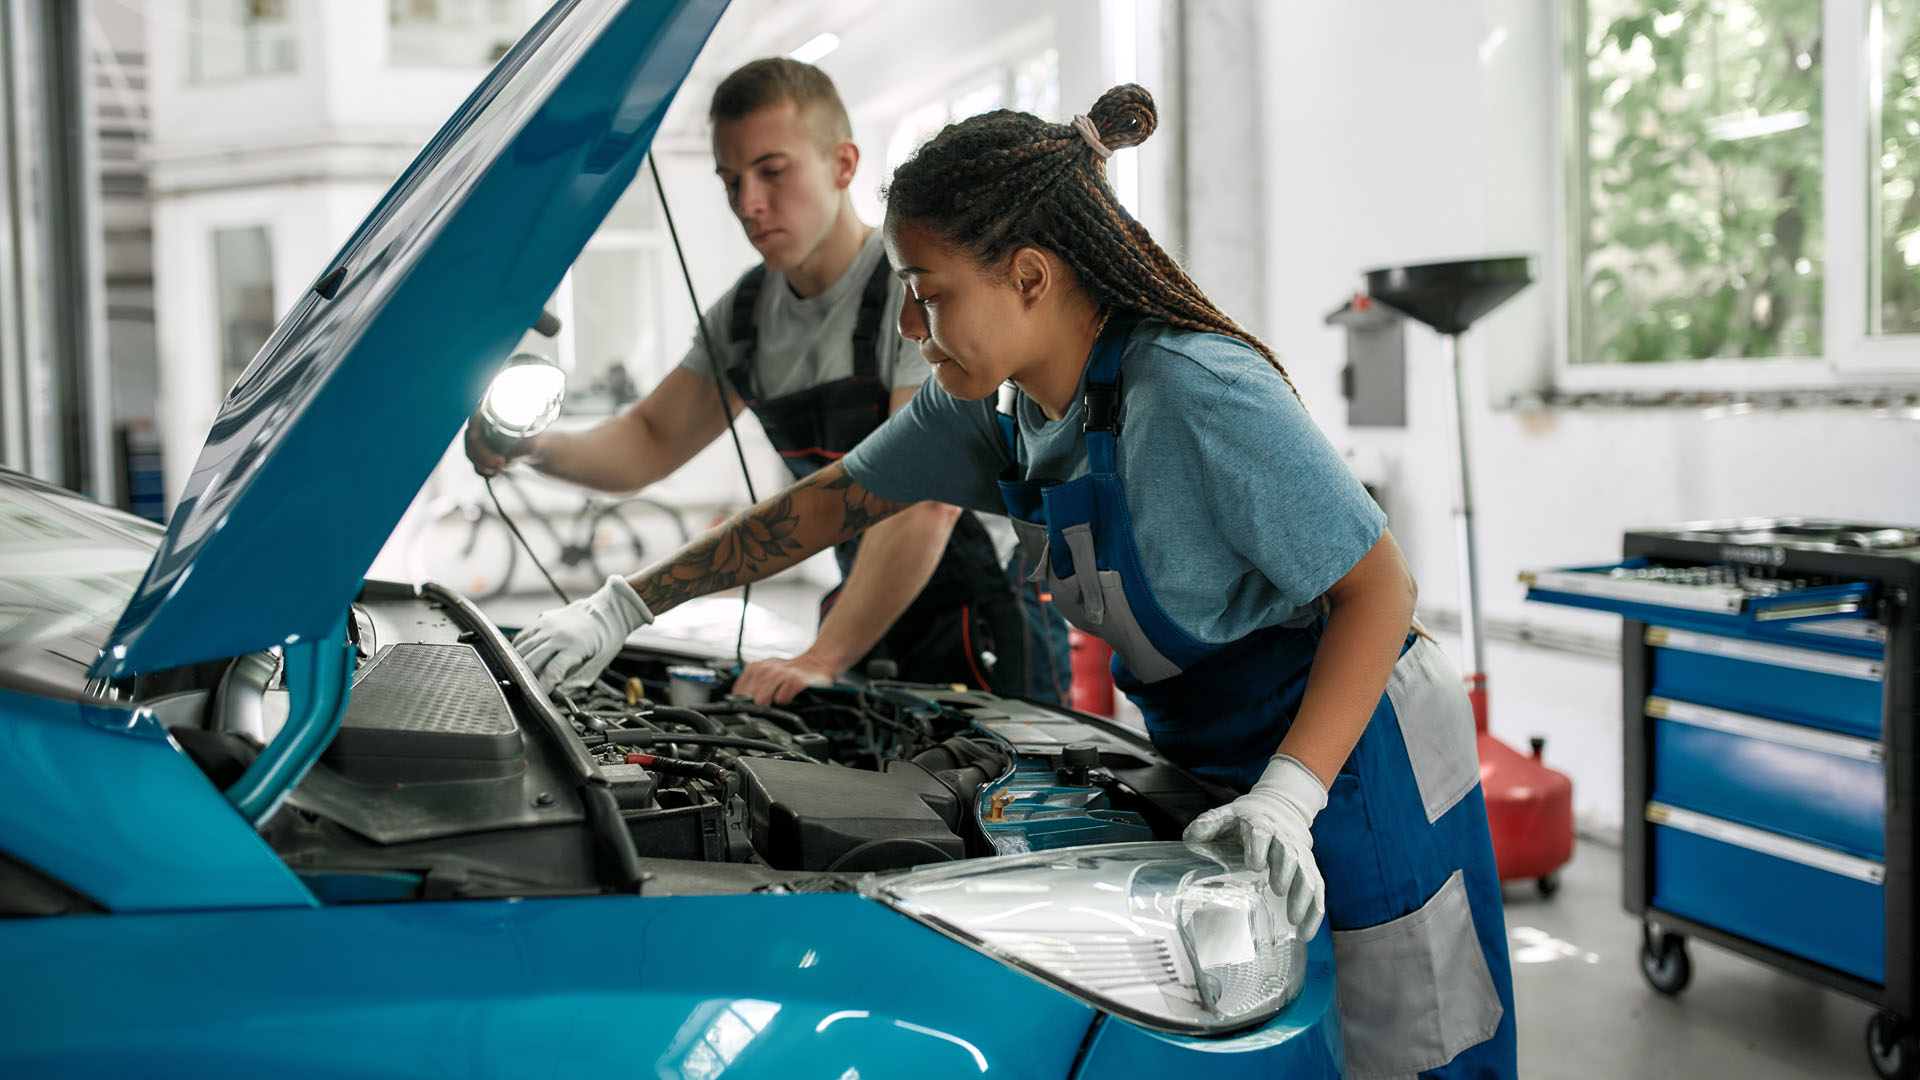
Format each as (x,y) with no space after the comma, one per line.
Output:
(1302,1043)
(441,282)
(768,986)
(1834,801)
(319,680)
(1828,918)
(100,799)
(1837,703)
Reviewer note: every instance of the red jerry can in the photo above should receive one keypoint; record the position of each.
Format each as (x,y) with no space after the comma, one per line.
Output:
(1092,676)
(1529,813)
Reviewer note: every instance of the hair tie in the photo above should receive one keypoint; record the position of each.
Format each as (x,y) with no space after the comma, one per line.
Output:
(1085,126)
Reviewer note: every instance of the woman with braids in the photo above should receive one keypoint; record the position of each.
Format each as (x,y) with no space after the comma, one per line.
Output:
(1183,507)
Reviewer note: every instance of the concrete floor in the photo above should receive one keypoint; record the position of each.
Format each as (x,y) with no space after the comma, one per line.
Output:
(1584,1010)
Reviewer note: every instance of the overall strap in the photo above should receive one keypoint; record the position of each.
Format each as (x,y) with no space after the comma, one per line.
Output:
(866,327)
(1102,399)
(742,334)
(1001,409)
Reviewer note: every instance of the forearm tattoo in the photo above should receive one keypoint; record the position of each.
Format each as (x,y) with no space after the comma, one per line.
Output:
(766,538)
(862,507)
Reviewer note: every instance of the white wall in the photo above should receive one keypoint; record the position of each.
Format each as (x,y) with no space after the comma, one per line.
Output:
(305,153)
(1403,131)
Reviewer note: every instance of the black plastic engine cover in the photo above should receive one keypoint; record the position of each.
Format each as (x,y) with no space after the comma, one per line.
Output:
(429,748)
(805,816)
(423,713)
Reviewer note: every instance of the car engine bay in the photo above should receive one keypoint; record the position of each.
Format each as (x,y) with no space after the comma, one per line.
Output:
(451,775)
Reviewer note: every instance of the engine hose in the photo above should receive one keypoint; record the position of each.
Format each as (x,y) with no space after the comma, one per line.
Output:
(705,770)
(790,721)
(625,737)
(698,721)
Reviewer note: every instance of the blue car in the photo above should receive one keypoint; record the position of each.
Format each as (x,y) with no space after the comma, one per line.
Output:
(262,817)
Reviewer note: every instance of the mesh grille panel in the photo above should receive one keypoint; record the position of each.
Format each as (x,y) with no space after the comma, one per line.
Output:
(419,700)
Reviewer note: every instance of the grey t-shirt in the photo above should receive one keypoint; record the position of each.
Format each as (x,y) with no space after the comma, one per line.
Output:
(805,342)
(1242,512)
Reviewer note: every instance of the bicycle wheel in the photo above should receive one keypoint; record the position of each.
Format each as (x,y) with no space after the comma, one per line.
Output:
(469,549)
(631,533)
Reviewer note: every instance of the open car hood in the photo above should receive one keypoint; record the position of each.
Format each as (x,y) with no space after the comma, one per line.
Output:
(326,438)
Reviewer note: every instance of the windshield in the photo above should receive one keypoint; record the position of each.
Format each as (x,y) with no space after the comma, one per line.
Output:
(68,566)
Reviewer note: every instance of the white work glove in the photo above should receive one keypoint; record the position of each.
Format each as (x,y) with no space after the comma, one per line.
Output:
(572,645)
(1272,822)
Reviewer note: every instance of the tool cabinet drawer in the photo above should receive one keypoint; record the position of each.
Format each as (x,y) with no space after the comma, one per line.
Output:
(1809,784)
(1652,592)
(1826,690)
(1801,898)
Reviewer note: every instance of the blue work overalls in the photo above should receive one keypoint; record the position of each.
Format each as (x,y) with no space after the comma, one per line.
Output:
(1413,899)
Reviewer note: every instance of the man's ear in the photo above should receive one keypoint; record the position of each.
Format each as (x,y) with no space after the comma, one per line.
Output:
(846,161)
(1032,274)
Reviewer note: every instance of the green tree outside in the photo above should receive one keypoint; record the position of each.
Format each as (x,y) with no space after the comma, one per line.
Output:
(1703,233)
(1898,302)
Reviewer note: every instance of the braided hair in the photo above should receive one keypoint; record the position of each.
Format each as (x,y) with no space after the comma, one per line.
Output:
(1003,180)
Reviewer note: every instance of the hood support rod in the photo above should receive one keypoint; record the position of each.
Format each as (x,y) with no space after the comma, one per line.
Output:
(319,677)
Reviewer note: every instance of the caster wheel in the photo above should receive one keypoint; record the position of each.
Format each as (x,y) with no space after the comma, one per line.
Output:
(1548,885)
(1891,1047)
(1663,960)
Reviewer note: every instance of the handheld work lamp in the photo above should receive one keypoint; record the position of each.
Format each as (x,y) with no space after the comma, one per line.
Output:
(523,399)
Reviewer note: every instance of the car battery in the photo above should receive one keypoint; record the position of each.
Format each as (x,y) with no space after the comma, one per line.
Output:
(1768,686)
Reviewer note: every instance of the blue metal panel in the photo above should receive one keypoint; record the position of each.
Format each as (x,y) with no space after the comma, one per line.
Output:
(1828,918)
(101,800)
(442,280)
(1805,633)
(1832,702)
(1302,1043)
(1824,798)
(750,987)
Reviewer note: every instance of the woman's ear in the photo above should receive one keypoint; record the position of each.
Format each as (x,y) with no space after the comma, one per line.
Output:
(1032,274)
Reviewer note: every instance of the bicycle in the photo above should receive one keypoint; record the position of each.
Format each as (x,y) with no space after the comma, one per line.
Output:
(466,544)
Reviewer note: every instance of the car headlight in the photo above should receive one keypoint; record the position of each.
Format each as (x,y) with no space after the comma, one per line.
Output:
(1172,936)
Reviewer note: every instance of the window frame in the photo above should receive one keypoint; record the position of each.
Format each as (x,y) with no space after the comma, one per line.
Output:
(1850,70)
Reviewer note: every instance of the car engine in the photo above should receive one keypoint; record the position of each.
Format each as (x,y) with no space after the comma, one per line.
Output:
(451,774)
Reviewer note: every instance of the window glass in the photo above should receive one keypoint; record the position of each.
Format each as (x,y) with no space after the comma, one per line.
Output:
(1036,86)
(68,567)
(243,283)
(237,39)
(453,33)
(1896,170)
(1700,229)
(1031,85)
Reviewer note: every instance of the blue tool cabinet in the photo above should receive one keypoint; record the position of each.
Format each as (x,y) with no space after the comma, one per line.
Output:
(1768,683)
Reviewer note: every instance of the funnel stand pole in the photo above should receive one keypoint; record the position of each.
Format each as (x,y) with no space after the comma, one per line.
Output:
(1471,637)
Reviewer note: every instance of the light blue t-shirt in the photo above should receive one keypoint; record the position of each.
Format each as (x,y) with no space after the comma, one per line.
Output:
(1242,511)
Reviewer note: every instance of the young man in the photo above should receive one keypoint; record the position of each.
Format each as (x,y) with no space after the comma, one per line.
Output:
(808,345)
